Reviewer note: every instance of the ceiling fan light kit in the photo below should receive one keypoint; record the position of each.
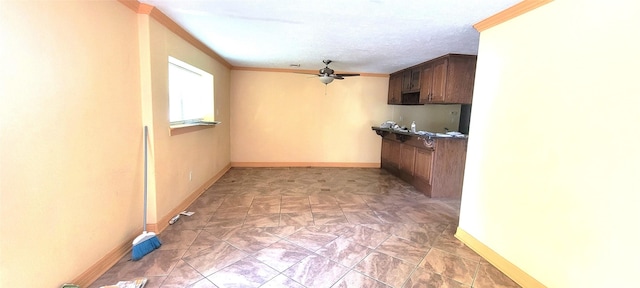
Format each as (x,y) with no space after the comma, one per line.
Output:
(326,79)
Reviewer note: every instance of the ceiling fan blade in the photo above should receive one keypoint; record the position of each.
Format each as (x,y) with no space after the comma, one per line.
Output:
(308,73)
(327,75)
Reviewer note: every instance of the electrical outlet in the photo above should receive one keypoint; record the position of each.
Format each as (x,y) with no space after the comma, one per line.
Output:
(400,118)
(190,175)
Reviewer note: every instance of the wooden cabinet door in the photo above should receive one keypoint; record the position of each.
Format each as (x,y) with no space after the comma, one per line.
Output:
(406,80)
(461,73)
(411,80)
(385,153)
(407,158)
(423,164)
(439,82)
(395,88)
(426,84)
(390,154)
(415,79)
(444,80)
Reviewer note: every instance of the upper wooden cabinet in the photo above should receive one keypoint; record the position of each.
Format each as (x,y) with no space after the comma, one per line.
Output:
(448,79)
(444,80)
(395,88)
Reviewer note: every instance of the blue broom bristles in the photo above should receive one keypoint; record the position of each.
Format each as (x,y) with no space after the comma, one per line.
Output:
(144,244)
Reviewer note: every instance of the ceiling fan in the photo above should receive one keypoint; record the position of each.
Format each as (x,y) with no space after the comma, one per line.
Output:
(327,74)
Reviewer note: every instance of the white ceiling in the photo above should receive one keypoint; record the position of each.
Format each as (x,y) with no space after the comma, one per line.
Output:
(362,36)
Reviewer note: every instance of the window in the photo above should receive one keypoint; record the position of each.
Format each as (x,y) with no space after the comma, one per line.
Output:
(190,94)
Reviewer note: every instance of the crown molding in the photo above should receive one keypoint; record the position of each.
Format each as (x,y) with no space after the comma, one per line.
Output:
(509,13)
(301,71)
(163,19)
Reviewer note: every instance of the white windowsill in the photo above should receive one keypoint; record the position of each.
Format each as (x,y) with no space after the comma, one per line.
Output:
(190,127)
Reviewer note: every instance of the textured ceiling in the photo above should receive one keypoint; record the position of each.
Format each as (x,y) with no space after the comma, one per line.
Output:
(362,36)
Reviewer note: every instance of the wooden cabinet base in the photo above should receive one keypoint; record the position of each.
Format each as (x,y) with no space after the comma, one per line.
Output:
(433,166)
(422,186)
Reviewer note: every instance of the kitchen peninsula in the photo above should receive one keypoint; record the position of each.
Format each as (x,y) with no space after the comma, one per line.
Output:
(432,163)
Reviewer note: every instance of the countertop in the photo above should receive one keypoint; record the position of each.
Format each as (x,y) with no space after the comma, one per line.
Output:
(428,135)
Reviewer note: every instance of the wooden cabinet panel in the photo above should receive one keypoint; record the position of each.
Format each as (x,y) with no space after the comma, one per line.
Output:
(448,168)
(404,87)
(461,74)
(448,79)
(438,91)
(406,80)
(386,151)
(427,83)
(394,158)
(411,80)
(390,154)
(407,159)
(423,165)
(434,166)
(395,88)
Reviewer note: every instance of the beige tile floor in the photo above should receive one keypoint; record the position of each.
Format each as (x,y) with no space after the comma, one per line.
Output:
(312,227)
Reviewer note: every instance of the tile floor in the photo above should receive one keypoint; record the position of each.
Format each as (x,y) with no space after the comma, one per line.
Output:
(312,227)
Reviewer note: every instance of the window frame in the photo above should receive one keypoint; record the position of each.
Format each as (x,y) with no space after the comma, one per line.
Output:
(208,116)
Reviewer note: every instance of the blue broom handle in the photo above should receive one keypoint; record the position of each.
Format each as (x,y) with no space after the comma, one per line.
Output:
(144,217)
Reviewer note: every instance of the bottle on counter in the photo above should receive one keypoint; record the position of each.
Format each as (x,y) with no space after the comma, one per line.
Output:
(413,126)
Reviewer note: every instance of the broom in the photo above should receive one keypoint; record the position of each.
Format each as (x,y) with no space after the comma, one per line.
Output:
(147,241)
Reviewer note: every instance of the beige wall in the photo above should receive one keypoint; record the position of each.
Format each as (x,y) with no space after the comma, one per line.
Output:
(280,117)
(286,117)
(70,138)
(202,153)
(552,169)
(79,82)
(432,117)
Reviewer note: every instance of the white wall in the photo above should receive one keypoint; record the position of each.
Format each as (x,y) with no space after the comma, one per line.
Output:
(553,160)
